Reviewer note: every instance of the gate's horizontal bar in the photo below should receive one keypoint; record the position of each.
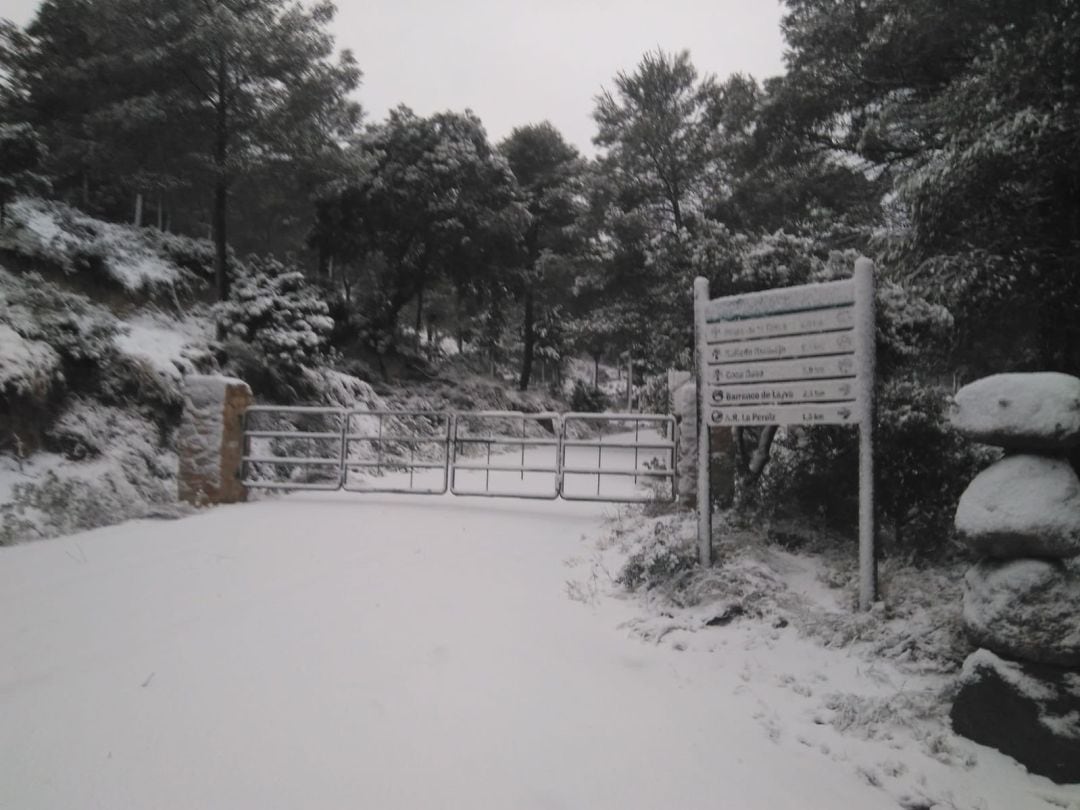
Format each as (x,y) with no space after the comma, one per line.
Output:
(291,434)
(529,417)
(396,465)
(619,417)
(336,462)
(444,415)
(530,496)
(402,439)
(440,490)
(613,445)
(329,485)
(508,441)
(295,409)
(505,468)
(605,471)
(617,499)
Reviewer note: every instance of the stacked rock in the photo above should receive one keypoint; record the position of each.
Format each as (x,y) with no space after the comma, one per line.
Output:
(1021,693)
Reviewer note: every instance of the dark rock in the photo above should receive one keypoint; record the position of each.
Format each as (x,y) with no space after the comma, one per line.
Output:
(1030,712)
(730,614)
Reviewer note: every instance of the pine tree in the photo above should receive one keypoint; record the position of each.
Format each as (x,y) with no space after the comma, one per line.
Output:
(157,92)
(549,173)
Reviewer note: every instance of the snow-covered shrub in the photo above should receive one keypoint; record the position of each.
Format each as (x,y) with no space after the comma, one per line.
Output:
(28,368)
(909,329)
(124,473)
(194,255)
(21,154)
(921,463)
(275,323)
(653,396)
(77,329)
(586,399)
(661,558)
(119,257)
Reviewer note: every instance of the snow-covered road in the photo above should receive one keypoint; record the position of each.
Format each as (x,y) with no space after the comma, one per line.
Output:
(362,651)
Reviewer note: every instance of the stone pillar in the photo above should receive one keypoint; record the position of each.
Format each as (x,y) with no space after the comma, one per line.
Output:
(683,404)
(1022,600)
(682,391)
(210,442)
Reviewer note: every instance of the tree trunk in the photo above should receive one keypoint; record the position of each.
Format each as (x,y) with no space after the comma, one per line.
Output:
(530,341)
(419,315)
(752,464)
(221,250)
(220,215)
(596,372)
(138,210)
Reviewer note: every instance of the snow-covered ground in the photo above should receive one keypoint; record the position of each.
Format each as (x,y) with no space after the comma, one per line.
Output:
(343,650)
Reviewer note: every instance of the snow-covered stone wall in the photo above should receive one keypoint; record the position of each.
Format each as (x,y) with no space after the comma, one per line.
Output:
(210,442)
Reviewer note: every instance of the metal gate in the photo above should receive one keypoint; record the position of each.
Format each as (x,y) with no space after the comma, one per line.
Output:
(495,454)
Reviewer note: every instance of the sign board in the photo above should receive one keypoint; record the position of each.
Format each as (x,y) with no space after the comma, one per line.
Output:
(791,356)
(802,338)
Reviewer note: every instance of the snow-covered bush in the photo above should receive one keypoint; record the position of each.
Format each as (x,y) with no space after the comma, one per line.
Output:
(653,396)
(660,559)
(194,255)
(120,258)
(585,398)
(283,322)
(922,465)
(77,329)
(125,473)
(21,154)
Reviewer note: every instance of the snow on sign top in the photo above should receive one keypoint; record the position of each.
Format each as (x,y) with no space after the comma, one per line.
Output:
(801,299)
(784,356)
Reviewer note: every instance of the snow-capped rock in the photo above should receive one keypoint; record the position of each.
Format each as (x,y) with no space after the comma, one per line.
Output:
(1030,712)
(1025,609)
(1022,506)
(1039,411)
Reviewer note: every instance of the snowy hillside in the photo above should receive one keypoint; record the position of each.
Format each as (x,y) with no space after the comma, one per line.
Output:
(98,324)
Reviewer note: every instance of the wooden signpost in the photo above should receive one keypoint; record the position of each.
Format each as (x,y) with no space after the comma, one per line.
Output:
(792,356)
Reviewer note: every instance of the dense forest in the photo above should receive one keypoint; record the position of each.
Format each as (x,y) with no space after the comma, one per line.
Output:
(939,139)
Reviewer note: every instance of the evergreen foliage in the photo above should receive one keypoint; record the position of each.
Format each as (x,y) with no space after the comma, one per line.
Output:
(275,311)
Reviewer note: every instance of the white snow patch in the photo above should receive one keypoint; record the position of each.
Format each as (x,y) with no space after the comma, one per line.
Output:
(1008,671)
(163,342)
(125,257)
(1023,505)
(407,652)
(1023,411)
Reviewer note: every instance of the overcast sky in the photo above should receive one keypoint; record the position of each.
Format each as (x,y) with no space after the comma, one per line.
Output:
(516,62)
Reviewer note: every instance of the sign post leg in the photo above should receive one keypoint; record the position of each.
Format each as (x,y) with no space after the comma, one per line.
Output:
(704,489)
(866,335)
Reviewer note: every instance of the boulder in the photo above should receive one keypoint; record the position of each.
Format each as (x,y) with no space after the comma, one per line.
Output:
(1026,609)
(1022,506)
(1027,711)
(1039,411)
